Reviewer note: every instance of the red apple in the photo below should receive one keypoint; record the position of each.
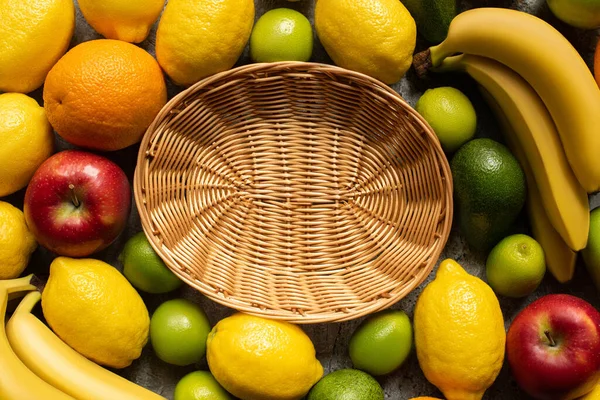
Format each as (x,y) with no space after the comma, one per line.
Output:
(77,203)
(553,347)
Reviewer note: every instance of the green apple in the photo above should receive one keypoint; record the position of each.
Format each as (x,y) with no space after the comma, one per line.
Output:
(591,253)
(579,13)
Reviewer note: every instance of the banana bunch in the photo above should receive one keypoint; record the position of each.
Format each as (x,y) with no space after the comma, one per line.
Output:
(547,101)
(37,365)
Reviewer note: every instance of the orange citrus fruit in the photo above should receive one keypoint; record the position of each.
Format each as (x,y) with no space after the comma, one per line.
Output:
(103,94)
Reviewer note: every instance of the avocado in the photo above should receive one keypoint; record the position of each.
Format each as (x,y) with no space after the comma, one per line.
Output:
(432,17)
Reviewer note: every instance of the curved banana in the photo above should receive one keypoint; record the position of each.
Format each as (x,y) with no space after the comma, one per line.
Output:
(533,131)
(17,382)
(61,366)
(545,59)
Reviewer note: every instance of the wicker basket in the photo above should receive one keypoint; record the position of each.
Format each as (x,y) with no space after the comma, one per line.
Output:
(296,191)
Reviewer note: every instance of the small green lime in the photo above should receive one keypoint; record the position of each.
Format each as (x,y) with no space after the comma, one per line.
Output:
(281,34)
(178,332)
(346,384)
(381,343)
(450,114)
(144,268)
(516,266)
(200,385)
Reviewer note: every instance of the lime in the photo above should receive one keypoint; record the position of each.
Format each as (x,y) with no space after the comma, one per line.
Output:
(346,384)
(144,268)
(178,332)
(281,34)
(200,385)
(516,266)
(381,343)
(450,114)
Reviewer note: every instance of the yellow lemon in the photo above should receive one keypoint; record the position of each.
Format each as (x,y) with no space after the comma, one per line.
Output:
(127,20)
(375,37)
(459,333)
(196,39)
(94,309)
(27,140)
(16,241)
(255,358)
(34,34)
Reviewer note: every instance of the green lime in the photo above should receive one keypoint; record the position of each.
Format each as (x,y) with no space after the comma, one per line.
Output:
(178,332)
(144,268)
(381,343)
(346,384)
(516,266)
(281,34)
(450,114)
(200,385)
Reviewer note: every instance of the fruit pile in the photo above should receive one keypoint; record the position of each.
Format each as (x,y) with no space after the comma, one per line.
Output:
(73,110)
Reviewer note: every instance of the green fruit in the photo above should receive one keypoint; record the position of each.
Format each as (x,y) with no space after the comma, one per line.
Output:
(516,266)
(200,385)
(144,269)
(178,332)
(281,34)
(346,384)
(433,17)
(489,191)
(381,343)
(591,253)
(578,13)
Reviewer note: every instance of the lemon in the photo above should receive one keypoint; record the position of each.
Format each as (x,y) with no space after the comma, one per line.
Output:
(375,37)
(255,358)
(94,309)
(196,39)
(27,140)
(34,34)
(459,333)
(127,20)
(16,241)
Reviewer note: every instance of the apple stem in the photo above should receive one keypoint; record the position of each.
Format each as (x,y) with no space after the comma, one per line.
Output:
(74,198)
(552,342)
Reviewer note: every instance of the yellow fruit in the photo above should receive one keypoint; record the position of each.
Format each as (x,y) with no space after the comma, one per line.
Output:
(375,37)
(593,395)
(196,39)
(94,309)
(34,34)
(459,333)
(255,358)
(27,140)
(16,241)
(127,20)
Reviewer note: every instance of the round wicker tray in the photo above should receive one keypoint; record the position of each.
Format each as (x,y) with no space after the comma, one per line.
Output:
(296,191)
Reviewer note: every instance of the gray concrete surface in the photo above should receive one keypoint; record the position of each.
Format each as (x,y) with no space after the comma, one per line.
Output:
(331,340)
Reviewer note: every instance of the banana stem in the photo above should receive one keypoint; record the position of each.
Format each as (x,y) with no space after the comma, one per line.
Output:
(454,63)
(17,285)
(28,302)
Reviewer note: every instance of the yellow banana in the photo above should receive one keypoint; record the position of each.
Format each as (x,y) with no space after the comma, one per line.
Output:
(533,131)
(61,366)
(545,59)
(17,382)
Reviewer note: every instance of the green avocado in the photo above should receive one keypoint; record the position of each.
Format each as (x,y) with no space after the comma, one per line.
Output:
(432,17)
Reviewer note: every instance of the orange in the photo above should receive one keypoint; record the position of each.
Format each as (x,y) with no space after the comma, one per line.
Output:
(425,398)
(103,94)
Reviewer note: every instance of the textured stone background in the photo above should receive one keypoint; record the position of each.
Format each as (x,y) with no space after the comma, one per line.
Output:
(331,339)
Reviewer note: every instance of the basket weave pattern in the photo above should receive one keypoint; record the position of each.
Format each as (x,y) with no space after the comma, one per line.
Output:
(296,191)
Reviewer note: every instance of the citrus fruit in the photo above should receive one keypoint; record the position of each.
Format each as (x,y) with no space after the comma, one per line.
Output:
(424,398)
(178,331)
(127,20)
(450,114)
(16,241)
(381,343)
(103,94)
(196,39)
(347,384)
(200,385)
(144,268)
(583,14)
(516,266)
(375,37)
(34,34)
(281,34)
(433,17)
(255,358)
(459,333)
(591,253)
(27,140)
(94,309)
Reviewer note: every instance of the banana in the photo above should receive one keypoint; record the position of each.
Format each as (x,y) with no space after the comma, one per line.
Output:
(564,200)
(17,382)
(61,366)
(545,59)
